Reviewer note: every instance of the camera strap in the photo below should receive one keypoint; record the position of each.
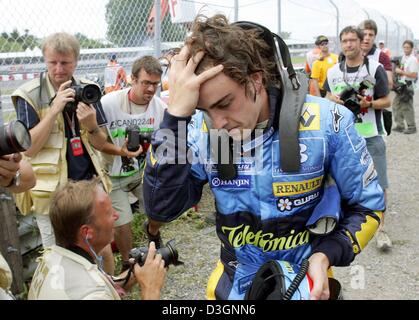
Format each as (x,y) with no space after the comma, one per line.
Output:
(344,68)
(75,141)
(294,91)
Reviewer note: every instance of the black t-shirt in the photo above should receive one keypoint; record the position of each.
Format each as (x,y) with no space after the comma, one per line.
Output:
(79,167)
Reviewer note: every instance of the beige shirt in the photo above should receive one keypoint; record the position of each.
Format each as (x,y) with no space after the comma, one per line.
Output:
(65,275)
(5,279)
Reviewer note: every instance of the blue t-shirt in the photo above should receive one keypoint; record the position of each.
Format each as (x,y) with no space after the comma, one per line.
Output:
(79,167)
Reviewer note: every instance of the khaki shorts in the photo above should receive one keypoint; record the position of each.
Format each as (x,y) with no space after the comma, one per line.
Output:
(45,229)
(120,197)
(377,148)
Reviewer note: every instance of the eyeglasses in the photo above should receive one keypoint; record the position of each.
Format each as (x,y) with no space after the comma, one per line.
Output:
(146,83)
(324,43)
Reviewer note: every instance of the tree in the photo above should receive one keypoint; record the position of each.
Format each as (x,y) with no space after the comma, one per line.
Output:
(127,23)
(87,43)
(9,46)
(15,42)
(285,35)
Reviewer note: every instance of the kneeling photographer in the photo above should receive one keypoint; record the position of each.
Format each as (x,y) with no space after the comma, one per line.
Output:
(407,73)
(83,220)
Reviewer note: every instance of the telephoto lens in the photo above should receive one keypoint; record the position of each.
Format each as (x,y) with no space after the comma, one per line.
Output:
(14,137)
(87,93)
(169,254)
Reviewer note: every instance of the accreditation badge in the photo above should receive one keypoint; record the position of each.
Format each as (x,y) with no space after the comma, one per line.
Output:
(76,146)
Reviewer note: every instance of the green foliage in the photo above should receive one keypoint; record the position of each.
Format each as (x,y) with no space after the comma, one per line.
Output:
(87,43)
(285,35)
(15,42)
(127,23)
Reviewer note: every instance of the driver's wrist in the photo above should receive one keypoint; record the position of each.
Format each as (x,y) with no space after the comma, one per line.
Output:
(320,258)
(178,112)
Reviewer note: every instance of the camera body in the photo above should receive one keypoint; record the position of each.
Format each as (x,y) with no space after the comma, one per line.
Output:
(400,88)
(169,254)
(138,138)
(349,96)
(87,93)
(350,99)
(396,61)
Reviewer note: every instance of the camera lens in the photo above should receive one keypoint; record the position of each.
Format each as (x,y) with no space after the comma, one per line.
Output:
(14,137)
(169,254)
(90,94)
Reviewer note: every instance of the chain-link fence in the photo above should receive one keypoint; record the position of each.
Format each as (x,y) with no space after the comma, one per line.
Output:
(132,28)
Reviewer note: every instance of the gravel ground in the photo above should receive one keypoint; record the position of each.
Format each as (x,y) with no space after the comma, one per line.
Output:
(373,275)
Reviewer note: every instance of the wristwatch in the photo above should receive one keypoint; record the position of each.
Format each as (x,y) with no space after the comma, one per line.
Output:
(15,181)
(95,130)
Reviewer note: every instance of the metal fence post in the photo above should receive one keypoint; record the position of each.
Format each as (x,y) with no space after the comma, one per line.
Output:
(236,10)
(279,18)
(398,37)
(157,29)
(386,22)
(337,25)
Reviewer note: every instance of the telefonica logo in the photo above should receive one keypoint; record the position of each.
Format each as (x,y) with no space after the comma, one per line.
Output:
(243,235)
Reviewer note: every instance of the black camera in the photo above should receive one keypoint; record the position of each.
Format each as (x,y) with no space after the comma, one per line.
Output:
(169,254)
(87,93)
(349,96)
(397,61)
(138,138)
(133,135)
(399,88)
(14,137)
(350,99)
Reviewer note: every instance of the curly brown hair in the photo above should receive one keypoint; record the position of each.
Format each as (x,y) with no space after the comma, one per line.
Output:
(241,52)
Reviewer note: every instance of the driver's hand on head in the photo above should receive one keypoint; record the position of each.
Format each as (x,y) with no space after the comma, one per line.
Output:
(184,84)
(64,95)
(151,275)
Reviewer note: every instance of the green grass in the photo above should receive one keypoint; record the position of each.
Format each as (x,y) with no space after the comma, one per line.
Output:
(190,219)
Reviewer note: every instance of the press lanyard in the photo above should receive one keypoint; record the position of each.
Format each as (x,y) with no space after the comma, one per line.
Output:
(75,141)
(345,72)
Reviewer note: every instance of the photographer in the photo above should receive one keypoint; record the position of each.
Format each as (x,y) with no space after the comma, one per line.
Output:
(61,132)
(225,79)
(16,175)
(83,220)
(133,114)
(352,74)
(407,74)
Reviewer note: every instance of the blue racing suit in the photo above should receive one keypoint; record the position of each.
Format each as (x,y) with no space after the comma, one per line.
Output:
(263,213)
